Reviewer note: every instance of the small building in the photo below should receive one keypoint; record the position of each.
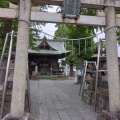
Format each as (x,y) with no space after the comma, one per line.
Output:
(44,60)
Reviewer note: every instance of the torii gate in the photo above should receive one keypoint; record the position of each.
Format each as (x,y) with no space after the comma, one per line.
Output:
(24,15)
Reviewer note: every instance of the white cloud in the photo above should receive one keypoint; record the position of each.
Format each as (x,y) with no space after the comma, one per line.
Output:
(53,9)
(50,28)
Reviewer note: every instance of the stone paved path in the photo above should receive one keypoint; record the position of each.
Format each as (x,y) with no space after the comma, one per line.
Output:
(58,100)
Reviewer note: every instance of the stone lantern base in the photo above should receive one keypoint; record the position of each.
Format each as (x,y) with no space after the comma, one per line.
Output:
(107,115)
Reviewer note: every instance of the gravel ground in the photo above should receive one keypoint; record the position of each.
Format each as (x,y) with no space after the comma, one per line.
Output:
(58,100)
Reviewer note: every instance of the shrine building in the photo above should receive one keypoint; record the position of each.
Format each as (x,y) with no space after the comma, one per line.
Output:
(44,60)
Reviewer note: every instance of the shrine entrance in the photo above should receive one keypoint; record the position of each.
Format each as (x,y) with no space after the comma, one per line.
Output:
(106,18)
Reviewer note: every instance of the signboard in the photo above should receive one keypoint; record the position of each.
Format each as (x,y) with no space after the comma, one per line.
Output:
(80,72)
(71,8)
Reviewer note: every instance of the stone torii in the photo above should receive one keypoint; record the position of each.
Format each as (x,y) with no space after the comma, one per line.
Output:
(24,15)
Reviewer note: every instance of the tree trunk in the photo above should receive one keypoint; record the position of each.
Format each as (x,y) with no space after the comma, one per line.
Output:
(81,61)
(71,69)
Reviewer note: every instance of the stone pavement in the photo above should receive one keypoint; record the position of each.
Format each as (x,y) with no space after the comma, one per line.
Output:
(58,100)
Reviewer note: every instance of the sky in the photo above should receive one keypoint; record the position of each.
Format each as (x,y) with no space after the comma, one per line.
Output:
(50,27)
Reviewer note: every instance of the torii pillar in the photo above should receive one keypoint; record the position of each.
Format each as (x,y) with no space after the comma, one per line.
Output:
(112,58)
(21,60)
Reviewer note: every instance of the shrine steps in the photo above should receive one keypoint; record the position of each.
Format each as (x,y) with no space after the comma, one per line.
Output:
(52,77)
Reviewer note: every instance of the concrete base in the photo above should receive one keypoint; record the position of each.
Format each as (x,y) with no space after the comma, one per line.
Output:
(25,117)
(108,116)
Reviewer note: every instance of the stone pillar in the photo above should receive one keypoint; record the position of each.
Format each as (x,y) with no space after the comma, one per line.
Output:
(19,82)
(112,59)
(36,70)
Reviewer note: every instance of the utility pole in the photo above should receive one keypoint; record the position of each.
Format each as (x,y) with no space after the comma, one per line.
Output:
(21,60)
(112,58)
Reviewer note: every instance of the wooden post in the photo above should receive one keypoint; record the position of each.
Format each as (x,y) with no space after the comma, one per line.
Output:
(112,59)
(19,82)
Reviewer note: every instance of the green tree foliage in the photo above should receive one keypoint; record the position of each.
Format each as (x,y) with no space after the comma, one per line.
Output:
(61,32)
(9,25)
(118,35)
(5,25)
(74,32)
(4,4)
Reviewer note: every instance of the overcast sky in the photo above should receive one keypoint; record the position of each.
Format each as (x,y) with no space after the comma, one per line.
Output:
(50,27)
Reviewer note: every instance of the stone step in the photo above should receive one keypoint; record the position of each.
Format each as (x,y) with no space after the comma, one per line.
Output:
(53,77)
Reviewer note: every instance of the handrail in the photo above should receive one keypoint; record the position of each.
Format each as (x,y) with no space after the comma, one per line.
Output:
(7,71)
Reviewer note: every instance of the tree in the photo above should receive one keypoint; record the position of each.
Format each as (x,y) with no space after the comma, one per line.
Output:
(7,26)
(75,32)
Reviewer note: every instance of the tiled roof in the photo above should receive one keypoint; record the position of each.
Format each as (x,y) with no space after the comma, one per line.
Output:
(58,47)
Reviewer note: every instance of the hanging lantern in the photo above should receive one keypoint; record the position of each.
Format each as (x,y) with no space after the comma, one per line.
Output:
(71,8)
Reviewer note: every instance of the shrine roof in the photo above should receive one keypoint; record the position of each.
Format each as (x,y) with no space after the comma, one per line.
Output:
(56,47)
(55,44)
(47,52)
